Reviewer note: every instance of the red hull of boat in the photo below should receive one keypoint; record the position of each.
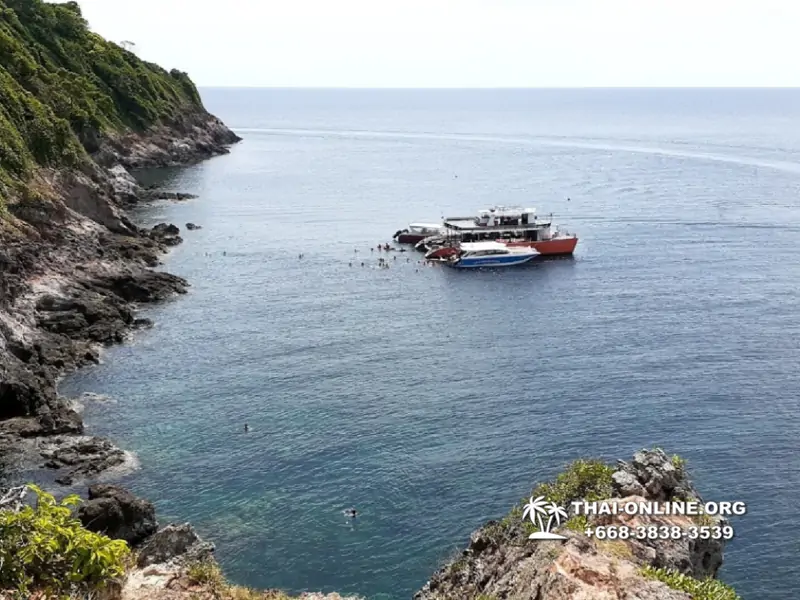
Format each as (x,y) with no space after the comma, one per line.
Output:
(556,247)
(411,238)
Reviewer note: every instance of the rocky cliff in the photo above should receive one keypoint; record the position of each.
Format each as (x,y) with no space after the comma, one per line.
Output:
(502,563)
(76,113)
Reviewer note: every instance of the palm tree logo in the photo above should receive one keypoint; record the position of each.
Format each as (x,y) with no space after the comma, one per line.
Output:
(537,509)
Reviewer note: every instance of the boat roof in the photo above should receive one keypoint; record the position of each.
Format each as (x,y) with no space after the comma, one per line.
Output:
(475,246)
(426,225)
(506,211)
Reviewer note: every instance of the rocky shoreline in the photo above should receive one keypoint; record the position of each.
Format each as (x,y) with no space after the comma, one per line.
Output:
(73,270)
(172,562)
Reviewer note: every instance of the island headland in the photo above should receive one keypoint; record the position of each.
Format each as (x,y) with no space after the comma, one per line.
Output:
(78,113)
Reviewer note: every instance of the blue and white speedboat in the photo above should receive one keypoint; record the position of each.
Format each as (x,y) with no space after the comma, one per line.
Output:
(489,254)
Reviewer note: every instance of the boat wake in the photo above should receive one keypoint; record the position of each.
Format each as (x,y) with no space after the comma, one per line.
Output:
(556,142)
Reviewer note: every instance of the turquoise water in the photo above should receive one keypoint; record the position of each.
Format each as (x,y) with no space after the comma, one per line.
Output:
(430,399)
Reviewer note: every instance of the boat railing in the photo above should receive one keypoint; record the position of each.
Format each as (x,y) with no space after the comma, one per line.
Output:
(543,221)
(508,227)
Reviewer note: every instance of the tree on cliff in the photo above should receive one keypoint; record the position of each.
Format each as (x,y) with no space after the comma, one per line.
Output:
(63,89)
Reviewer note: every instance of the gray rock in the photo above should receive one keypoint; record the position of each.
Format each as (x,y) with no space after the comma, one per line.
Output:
(174,543)
(142,323)
(163,195)
(80,456)
(116,512)
(166,234)
(626,484)
(145,286)
(123,183)
(652,474)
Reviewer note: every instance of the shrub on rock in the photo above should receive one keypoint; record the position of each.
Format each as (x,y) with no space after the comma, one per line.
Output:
(46,547)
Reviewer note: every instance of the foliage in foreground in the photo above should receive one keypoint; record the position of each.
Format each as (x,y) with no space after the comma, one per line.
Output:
(46,547)
(209,576)
(62,87)
(707,589)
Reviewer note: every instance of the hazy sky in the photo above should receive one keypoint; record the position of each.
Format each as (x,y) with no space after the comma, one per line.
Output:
(463,43)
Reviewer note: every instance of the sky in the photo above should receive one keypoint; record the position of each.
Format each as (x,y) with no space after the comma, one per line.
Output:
(462,43)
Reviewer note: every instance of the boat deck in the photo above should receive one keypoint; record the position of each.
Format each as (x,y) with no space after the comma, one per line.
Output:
(463,224)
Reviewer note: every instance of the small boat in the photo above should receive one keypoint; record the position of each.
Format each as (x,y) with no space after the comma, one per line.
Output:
(417,232)
(489,254)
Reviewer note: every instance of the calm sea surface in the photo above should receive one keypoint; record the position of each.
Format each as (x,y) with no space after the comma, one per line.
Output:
(432,400)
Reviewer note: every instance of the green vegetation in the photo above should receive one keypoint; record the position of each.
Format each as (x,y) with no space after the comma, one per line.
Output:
(579,523)
(583,479)
(588,480)
(206,573)
(704,520)
(63,87)
(46,548)
(708,589)
(679,463)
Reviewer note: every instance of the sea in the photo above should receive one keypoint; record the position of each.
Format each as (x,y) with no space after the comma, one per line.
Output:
(432,399)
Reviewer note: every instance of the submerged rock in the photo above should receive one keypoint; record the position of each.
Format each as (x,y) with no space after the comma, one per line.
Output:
(119,514)
(192,226)
(162,195)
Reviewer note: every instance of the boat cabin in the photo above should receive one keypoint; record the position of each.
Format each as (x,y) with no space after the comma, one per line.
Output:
(427,228)
(499,221)
(483,249)
(500,216)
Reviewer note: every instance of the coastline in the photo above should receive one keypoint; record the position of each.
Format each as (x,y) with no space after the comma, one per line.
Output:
(497,563)
(74,276)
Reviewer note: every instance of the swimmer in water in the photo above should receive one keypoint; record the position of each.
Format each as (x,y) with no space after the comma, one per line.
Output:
(246,428)
(352,513)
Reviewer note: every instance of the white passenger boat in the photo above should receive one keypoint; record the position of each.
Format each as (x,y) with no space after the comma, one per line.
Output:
(489,254)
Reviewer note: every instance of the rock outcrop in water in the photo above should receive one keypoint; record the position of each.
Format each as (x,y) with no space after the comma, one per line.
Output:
(76,113)
(117,513)
(501,562)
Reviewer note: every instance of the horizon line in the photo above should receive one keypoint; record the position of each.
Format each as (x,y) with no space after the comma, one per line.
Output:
(490,88)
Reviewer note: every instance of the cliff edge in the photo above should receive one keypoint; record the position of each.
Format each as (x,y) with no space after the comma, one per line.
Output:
(679,562)
(76,112)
